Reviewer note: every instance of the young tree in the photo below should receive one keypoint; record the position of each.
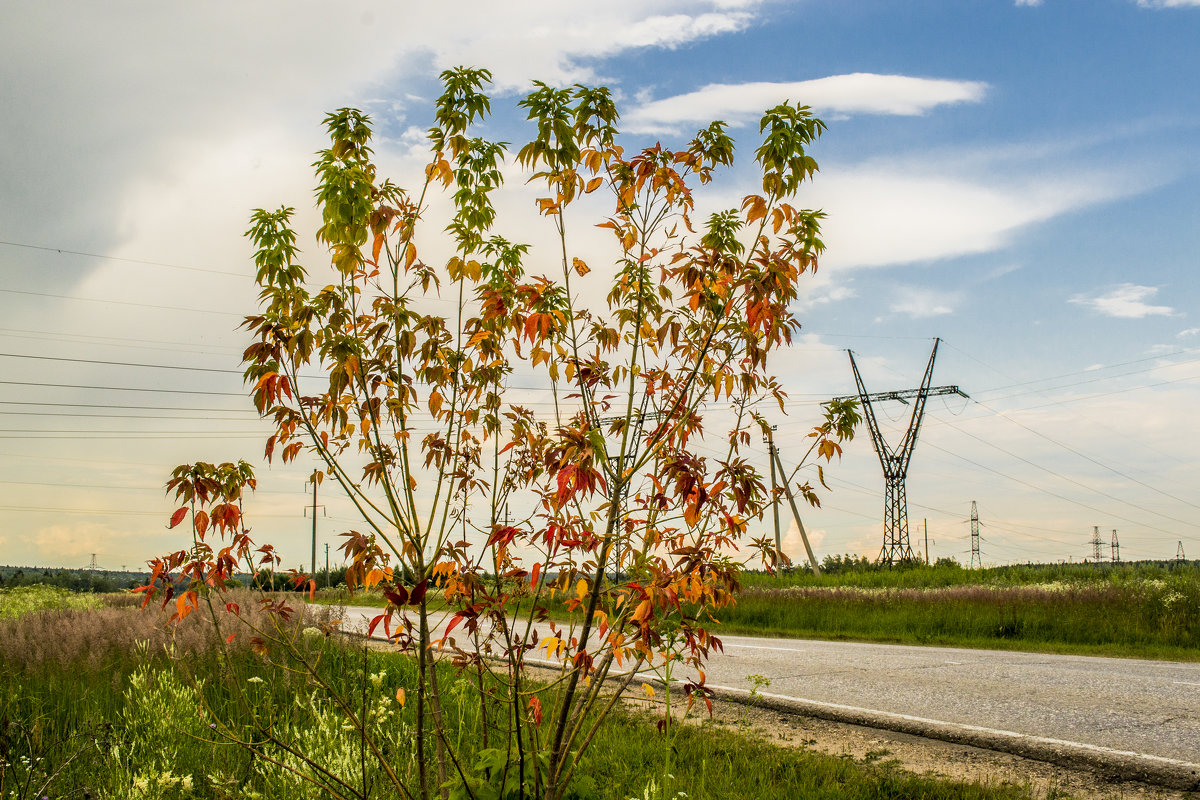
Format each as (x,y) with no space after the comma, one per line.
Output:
(480,507)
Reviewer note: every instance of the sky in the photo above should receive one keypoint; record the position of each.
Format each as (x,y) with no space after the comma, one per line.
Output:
(1018,179)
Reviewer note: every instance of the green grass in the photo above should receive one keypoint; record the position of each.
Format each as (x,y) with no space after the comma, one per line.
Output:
(1141,610)
(140,725)
(22,600)
(1138,610)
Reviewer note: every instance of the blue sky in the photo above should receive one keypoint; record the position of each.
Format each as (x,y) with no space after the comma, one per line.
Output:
(1019,179)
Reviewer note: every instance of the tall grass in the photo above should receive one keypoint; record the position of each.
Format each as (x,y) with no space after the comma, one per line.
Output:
(147,723)
(1135,610)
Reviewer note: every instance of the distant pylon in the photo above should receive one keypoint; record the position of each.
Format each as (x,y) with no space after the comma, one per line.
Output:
(976,559)
(1114,549)
(1097,556)
(1179,551)
(94,567)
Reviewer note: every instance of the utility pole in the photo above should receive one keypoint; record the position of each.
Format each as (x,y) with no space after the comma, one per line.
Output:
(787,488)
(314,521)
(895,461)
(976,559)
(313,479)
(637,420)
(927,542)
(327,565)
(1114,549)
(770,440)
(1097,556)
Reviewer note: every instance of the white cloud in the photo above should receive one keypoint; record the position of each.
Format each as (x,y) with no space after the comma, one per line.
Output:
(891,213)
(1125,301)
(1187,332)
(920,303)
(1168,3)
(857,93)
(822,294)
(1029,2)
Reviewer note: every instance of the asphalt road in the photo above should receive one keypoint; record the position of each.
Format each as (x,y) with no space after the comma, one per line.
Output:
(1147,707)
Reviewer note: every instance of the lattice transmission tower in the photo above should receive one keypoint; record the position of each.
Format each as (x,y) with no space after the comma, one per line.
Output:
(1097,545)
(895,460)
(1114,549)
(1179,551)
(976,559)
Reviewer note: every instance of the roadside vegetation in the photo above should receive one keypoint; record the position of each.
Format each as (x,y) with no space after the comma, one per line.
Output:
(1147,609)
(140,709)
(1133,610)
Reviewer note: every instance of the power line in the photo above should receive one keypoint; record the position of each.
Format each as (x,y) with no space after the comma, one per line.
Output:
(122,363)
(124,389)
(1052,494)
(1085,456)
(1057,474)
(122,407)
(123,303)
(65,251)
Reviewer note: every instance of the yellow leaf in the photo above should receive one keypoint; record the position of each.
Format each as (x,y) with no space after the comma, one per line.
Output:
(649,690)
(553,646)
(581,589)
(580,265)
(400,696)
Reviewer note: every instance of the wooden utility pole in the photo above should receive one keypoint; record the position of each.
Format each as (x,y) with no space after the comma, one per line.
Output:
(927,541)
(774,490)
(787,488)
(314,536)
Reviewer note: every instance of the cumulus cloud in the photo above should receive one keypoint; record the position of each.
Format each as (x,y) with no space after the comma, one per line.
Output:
(857,93)
(1124,301)
(885,213)
(920,303)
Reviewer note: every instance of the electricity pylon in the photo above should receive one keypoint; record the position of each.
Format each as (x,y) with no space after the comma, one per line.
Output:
(1097,556)
(895,461)
(1114,549)
(1179,551)
(976,559)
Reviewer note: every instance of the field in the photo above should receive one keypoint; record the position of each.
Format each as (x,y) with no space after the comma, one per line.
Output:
(1147,610)
(1143,610)
(106,702)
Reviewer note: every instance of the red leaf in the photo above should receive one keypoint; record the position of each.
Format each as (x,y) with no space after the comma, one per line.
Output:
(457,618)
(418,593)
(177,517)
(535,710)
(533,577)
(230,638)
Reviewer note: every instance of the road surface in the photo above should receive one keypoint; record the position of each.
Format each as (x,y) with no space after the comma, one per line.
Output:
(1147,707)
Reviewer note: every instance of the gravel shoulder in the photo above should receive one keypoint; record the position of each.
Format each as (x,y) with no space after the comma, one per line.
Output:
(916,754)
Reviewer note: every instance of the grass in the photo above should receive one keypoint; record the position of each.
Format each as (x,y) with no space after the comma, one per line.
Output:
(22,600)
(1142,610)
(137,722)
(1138,610)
